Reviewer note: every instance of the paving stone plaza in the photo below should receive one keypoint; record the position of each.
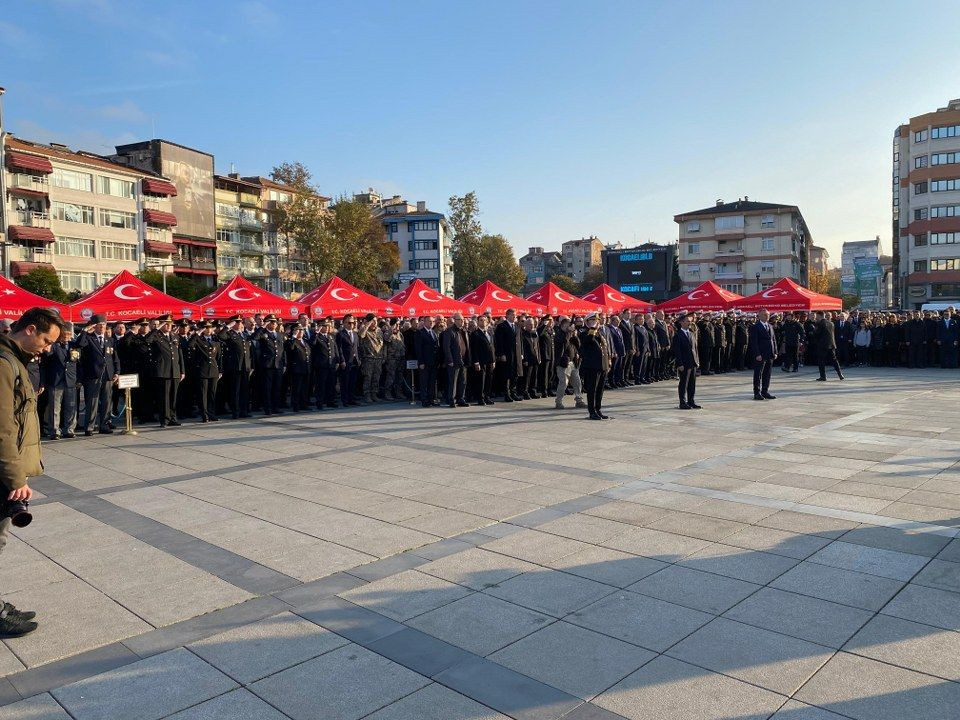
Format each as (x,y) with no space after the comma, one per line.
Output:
(792,559)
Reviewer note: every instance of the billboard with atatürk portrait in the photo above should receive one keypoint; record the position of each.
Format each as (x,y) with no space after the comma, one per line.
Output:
(192,173)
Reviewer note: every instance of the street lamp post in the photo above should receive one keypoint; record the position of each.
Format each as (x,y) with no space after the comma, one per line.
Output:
(758,282)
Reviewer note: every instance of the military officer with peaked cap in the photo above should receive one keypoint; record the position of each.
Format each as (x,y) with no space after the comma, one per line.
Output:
(236,364)
(270,358)
(168,368)
(204,368)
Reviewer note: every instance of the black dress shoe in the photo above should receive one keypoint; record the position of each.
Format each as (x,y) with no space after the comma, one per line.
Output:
(204,420)
(22,614)
(460,403)
(213,418)
(13,626)
(821,379)
(768,396)
(174,423)
(841,377)
(758,396)
(507,398)
(595,416)
(694,406)
(87,433)
(69,435)
(683,406)
(603,417)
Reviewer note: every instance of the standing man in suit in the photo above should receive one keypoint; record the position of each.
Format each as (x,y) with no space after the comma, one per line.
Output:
(456,359)
(348,342)
(763,351)
(687,361)
(298,368)
(484,361)
(426,350)
(99,368)
(205,356)
(168,369)
(595,362)
(948,339)
(325,362)
(826,345)
(506,339)
(236,364)
(270,364)
(59,370)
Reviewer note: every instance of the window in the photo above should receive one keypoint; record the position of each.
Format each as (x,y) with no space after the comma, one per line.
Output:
(424,264)
(68,212)
(733,287)
(944,238)
(768,221)
(767,266)
(693,227)
(82,281)
(115,187)
(945,132)
(225,210)
(919,188)
(921,161)
(945,211)
(767,244)
(422,225)
(945,185)
(424,244)
(118,219)
(729,222)
(945,290)
(920,214)
(71,180)
(118,251)
(75,247)
(393,228)
(947,158)
(945,264)
(920,136)
(693,248)
(227,236)
(919,265)
(693,270)
(920,239)
(228,261)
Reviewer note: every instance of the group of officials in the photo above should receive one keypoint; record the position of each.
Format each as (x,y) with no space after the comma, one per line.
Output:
(212,369)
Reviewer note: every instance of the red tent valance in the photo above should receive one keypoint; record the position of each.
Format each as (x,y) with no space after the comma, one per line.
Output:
(19,268)
(17,161)
(785,295)
(556,301)
(421,299)
(242,297)
(493,299)
(337,298)
(126,297)
(159,247)
(708,296)
(14,300)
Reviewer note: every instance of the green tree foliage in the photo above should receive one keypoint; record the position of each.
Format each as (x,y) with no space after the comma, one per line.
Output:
(850,301)
(45,282)
(498,264)
(478,256)
(592,277)
(179,287)
(565,282)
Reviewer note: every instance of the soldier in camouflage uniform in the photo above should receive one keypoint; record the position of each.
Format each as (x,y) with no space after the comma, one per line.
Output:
(371,358)
(394,363)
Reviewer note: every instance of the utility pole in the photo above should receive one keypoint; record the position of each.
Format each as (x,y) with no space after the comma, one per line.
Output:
(3,190)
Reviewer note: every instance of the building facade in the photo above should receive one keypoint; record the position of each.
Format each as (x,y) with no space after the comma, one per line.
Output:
(539,267)
(743,246)
(926,208)
(194,237)
(239,227)
(423,237)
(861,273)
(819,258)
(83,215)
(580,255)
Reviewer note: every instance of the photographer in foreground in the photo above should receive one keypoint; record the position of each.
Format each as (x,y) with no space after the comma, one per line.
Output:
(35,331)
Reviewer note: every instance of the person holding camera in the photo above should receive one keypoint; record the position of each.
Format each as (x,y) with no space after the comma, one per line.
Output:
(35,331)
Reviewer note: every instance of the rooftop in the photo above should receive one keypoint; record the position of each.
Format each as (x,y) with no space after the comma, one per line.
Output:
(740,206)
(62,152)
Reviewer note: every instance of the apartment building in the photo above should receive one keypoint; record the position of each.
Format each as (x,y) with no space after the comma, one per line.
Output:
(423,237)
(83,215)
(190,171)
(926,208)
(743,246)
(580,255)
(539,266)
(239,226)
(819,258)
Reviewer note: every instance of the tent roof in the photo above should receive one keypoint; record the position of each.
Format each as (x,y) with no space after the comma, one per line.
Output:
(613,300)
(126,297)
(14,301)
(418,298)
(337,298)
(558,301)
(786,295)
(242,297)
(492,298)
(706,296)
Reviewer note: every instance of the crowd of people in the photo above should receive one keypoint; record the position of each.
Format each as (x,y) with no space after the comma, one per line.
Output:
(212,369)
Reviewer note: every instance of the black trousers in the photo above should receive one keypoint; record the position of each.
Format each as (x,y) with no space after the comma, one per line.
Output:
(207,397)
(592,381)
(481,383)
(545,377)
(456,384)
(705,363)
(687,387)
(650,371)
(348,383)
(640,367)
(299,391)
(428,385)
(916,355)
(324,385)
(761,376)
(96,403)
(238,392)
(271,386)
(511,382)
(791,358)
(828,357)
(529,381)
(166,398)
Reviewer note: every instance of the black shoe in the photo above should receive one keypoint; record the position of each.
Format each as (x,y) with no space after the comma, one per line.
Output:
(173,423)
(69,435)
(595,416)
(603,417)
(758,396)
(451,405)
(204,420)
(821,379)
(683,406)
(245,415)
(507,398)
(694,406)
(22,614)
(768,396)
(213,418)
(14,626)
(460,403)
(841,377)
(87,433)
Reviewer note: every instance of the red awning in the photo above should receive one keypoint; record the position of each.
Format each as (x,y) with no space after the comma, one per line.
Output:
(160,247)
(242,297)
(493,299)
(22,233)
(126,297)
(421,299)
(337,298)
(559,302)
(26,192)
(159,217)
(706,296)
(193,271)
(199,242)
(19,268)
(30,163)
(615,301)
(159,187)
(14,300)
(786,296)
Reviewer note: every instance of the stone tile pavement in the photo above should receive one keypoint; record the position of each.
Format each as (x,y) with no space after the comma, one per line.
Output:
(795,559)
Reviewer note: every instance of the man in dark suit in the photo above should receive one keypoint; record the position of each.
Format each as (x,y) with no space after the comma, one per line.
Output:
(204,368)
(325,362)
(236,364)
(763,351)
(298,368)
(348,342)
(948,339)
(270,360)
(59,371)
(168,369)
(826,345)
(530,354)
(506,341)
(455,346)
(687,361)
(641,356)
(98,371)
(426,350)
(484,361)
(629,347)
(595,363)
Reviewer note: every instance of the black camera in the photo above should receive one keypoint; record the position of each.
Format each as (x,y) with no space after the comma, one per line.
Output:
(18,511)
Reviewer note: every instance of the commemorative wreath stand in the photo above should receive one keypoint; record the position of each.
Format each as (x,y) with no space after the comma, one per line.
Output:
(127,383)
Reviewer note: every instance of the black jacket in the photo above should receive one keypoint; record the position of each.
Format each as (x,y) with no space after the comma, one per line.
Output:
(762,342)
(506,341)
(270,350)
(426,347)
(481,348)
(823,339)
(566,348)
(793,333)
(58,368)
(594,353)
(326,351)
(166,355)
(204,357)
(236,352)
(97,362)
(685,350)
(349,344)
(298,356)
(456,347)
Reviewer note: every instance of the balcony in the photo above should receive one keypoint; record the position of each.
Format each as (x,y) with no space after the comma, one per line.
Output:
(249,199)
(732,253)
(250,221)
(151,203)
(32,218)
(22,253)
(30,185)
(157,235)
(249,247)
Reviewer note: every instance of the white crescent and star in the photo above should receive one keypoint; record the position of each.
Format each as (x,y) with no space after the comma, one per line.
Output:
(562,296)
(693,295)
(8,291)
(335,294)
(235,295)
(425,295)
(120,292)
(495,294)
(617,297)
(774,292)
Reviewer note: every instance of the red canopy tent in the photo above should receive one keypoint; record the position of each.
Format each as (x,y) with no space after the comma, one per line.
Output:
(786,296)
(14,301)
(614,301)
(420,299)
(557,301)
(492,298)
(337,298)
(708,296)
(127,297)
(242,297)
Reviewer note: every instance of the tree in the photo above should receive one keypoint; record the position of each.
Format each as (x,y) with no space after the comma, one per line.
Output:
(302,219)
(467,234)
(826,283)
(592,277)
(566,283)
(498,264)
(364,256)
(850,301)
(45,282)
(179,287)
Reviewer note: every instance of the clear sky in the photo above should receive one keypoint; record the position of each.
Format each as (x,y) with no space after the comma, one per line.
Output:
(567,118)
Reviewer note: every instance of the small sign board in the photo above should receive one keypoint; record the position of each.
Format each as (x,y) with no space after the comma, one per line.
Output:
(406,276)
(128,381)
(412,365)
